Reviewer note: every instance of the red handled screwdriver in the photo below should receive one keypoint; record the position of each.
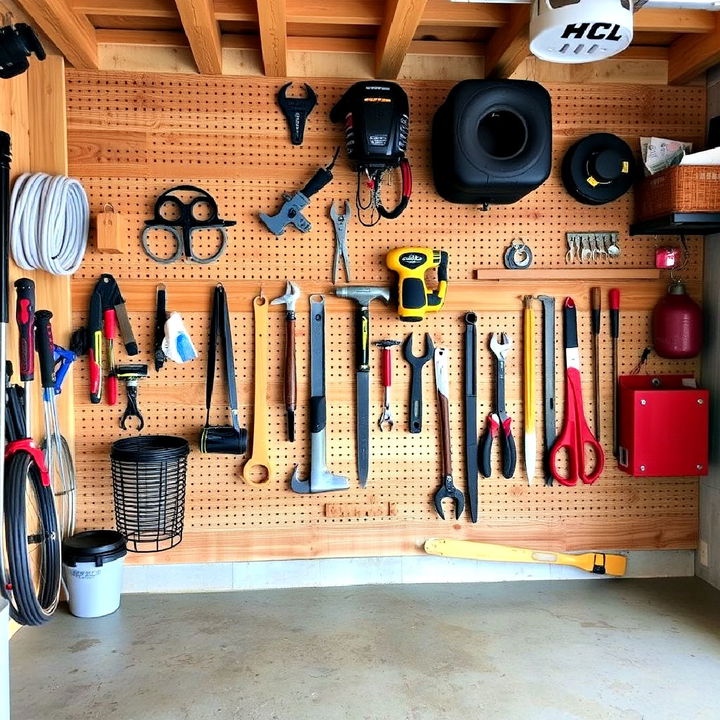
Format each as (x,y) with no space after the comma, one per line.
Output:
(614,301)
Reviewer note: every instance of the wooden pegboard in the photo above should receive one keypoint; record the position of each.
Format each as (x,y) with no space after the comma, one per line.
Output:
(129,134)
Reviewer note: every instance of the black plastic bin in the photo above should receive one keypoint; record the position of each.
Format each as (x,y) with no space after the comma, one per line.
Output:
(149,475)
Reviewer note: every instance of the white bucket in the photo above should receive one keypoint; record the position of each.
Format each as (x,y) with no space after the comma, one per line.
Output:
(92,571)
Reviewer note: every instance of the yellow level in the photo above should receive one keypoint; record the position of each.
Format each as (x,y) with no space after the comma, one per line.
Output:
(598,563)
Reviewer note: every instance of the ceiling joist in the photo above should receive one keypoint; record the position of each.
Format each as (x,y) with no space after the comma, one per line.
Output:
(508,46)
(273,36)
(692,55)
(72,34)
(203,34)
(396,34)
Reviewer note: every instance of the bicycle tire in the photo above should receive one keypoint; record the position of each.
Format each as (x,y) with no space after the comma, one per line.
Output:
(32,602)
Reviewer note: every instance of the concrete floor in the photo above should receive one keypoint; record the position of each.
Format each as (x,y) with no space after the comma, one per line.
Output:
(540,650)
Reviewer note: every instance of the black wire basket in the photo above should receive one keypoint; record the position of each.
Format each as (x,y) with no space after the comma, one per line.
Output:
(149,474)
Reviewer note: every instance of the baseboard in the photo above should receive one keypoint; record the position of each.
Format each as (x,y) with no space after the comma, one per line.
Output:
(334,572)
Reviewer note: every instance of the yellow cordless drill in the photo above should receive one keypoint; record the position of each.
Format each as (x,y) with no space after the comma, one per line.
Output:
(414,297)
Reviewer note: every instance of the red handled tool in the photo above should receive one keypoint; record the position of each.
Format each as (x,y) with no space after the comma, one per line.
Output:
(614,301)
(25,316)
(596,304)
(386,418)
(576,438)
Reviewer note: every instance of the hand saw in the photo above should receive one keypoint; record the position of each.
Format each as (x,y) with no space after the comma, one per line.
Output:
(592,562)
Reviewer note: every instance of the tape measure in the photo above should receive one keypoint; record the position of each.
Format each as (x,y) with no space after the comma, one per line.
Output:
(414,298)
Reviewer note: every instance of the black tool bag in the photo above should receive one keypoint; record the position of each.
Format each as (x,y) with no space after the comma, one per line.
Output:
(226,439)
(492,141)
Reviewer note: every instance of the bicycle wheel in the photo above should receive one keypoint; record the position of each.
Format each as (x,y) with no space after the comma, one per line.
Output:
(32,542)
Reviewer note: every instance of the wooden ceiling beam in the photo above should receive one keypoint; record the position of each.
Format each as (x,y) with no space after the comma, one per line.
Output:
(456,14)
(203,33)
(402,18)
(675,21)
(273,36)
(72,34)
(509,45)
(691,55)
(143,38)
(129,8)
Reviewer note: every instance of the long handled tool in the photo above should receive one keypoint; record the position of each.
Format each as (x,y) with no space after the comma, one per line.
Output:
(592,562)
(363,295)
(549,430)
(260,456)
(62,475)
(5,159)
(614,302)
(596,305)
(321,478)
(447,489)
(25,316)
(292,293)
(471,428)
(530,437)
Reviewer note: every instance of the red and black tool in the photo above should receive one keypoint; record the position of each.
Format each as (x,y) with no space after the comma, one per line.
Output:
(576,438)
(596,304)
(107,313)
(25,316)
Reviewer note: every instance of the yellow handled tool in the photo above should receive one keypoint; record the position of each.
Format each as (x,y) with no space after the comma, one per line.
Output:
(529,387)
(592,562)
(260,457)
(414,297)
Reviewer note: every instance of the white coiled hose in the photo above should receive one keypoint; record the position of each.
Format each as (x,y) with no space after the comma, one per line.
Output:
(49,223)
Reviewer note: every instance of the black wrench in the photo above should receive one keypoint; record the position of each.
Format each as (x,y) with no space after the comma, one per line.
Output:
(416,365)
(296,110)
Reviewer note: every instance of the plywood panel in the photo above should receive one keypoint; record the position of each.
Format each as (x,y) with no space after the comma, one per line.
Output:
(129,134)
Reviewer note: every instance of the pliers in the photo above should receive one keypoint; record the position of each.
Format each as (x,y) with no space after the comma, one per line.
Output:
(340,223)
(499,422)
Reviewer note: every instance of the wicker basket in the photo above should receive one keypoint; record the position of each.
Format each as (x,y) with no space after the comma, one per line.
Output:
(684,188)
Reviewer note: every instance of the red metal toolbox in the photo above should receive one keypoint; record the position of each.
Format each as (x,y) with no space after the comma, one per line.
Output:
(663,426)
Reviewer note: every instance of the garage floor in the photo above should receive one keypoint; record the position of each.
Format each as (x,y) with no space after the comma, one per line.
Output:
(540,650)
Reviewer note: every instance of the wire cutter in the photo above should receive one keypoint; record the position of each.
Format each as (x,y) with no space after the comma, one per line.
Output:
(499,422)
(340,223)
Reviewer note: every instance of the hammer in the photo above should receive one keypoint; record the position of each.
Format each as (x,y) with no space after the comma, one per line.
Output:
(363,295)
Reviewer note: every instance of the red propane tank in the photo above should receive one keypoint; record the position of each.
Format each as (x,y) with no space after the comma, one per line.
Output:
(677,324)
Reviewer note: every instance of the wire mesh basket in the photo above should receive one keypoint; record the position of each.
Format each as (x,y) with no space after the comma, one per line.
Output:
(149,475)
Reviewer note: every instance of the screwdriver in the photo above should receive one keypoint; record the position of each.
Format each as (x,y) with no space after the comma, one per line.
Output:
(529,387)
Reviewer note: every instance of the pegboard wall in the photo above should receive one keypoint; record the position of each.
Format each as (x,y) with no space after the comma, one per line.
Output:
(132,136)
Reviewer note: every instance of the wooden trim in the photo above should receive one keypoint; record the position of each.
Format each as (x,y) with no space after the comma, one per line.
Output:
(273,36)
(569,274)
(203,34)
(396,33)
(691,55)
(72,34)
(509,45)
(402,537)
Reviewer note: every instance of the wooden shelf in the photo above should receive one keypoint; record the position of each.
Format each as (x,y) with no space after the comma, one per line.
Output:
(700,223)
(569,274)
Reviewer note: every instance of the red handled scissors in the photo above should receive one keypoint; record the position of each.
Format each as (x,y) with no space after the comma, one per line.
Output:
(576,438)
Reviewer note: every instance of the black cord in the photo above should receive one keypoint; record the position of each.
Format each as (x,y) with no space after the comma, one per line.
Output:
(23,481)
